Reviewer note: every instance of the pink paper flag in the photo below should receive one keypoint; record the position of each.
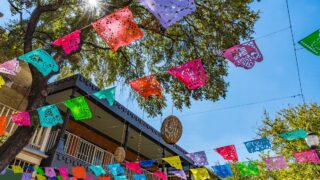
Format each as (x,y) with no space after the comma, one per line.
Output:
(191,74)
(50,172)
(244,55)
(10,67)
(161,175)
(307,156)
(69,42)
(21,118)
(134,166)
(63,172)
(275,163)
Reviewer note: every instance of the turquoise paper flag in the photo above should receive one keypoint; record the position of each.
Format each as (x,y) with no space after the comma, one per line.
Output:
(292,135)
(120,177)
(97,170)
(49,116)
(115,169)
(41,60)
(108,94)
(139,177)
(79,108)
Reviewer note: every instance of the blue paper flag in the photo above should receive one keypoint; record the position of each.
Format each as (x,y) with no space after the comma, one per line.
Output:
(97,170)
(147,163)
(257,145)
(115,169)
(292,135)
(139,177)
(108,94)
(49,116)
(120,177)
(223,171)
(41,60)
(30,169)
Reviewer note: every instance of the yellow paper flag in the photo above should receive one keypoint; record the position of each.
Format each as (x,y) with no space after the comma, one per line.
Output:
(174,161)
(2,82)
(200,173)
(41,177)
(17,169)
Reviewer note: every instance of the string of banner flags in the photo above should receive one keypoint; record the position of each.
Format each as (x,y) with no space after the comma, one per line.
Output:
(248,168)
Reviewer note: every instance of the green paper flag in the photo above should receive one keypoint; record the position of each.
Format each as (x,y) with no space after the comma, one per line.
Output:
(79,108)
(248,168)
(108,94)
(312,42)
(39,170)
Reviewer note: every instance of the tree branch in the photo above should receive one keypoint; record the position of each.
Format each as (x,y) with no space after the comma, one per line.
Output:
(95,45)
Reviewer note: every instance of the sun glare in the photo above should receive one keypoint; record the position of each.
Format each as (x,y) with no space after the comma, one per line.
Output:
(93,3)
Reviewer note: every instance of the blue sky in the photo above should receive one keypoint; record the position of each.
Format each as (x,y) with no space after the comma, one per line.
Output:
(275,77)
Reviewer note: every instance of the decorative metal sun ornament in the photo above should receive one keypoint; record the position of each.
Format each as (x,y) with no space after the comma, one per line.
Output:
(171,130)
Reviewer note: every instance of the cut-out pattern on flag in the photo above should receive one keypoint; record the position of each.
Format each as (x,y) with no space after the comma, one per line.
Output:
(174,161)
(49,116)
(108,94)
(50,172)
(249,168)
(244,55)
(223,171)
(168,12)
(312,42)
(26,176)
(257,145)
(180,174)
(292,135)
(3,124)
(161,175)
(120,177)
(41,60)
(134,166)
(70,42)
(2,82)
(115,169)
(79,108)
(147,86)
(228,152)
(147,163)
(16,169)
(118,29)
(200,174)
(79,172)
(139,177)
(40,177)
(10,67)
(39,170)
(275,163)
(199,158)
(97,170)
(63,171)
(21,118)
(191,74)
(307,156)
(104,178)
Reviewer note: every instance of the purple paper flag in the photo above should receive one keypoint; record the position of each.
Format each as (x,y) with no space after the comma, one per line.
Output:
(3,172)
(199,158)
(180,174)
(50,172)
(275,163)
(26,176)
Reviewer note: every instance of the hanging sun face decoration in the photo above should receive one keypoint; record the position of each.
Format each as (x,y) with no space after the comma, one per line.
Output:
(119,154)
(171,130)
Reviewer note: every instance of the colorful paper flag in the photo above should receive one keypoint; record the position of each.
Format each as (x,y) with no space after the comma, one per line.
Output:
(104,178)
(199,158)
(169,12)
(139,177)
(70,42)
(50,172)
(41,60)
(30,169)
(228,152)
(79,108)
(63,171)
(147,86)
(40,177)
(223,171)
(134,166)
(59,178)
(10,67)
(88,178)
(180,174)
(115,169)
(118,29)
(200,174)
(160,175)
(16,169)
(307,156)
(49,116)
(257,145)
(312,42)
(26,176)
(191,74)
(292,135)
(4,171)
(2,82)
(275,163)
(3,124)
(174,161)
(97,170)
(79,172)
(120,177)
(108,94)
(244,55)
(249,168)
(147,163)
(39,170)
(21,118)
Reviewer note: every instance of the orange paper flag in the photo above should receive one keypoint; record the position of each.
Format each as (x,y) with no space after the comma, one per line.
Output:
(3,123)
(79,172)
(104,178)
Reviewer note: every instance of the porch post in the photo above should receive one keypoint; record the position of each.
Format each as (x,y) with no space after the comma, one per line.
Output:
(125,143)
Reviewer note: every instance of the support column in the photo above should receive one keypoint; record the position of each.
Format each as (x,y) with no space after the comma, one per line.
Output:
(126,137)
(45,139)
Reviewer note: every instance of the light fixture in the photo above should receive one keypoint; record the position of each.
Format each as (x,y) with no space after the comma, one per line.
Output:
(312,140)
